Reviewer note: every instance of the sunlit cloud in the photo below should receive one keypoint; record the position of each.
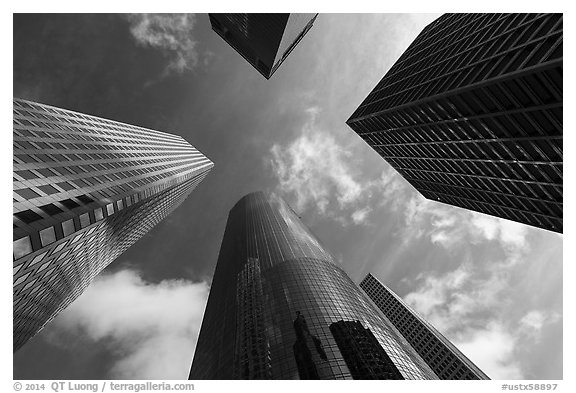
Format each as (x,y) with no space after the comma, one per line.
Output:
(152,328)
(172,34)
(493,350)
(317,172)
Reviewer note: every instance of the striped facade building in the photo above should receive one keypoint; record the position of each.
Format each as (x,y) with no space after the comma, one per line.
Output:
(438,352)
(263,40)
(84,190)
(471,115)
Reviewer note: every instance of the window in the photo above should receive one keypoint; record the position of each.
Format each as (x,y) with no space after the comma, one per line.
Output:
(27,193)
(99,214)
(69,203)
(51,209)
(46,172)
(110,209)
(27,175)
(28,216)
(25,158)
(22,247)
(65,186)
(120,204)
(85,199)
(68,227)
(84,220)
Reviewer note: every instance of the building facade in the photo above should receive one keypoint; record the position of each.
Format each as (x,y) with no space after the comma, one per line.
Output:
(85,189)
(438,352)
(471,115)
(264,40)
(280,307)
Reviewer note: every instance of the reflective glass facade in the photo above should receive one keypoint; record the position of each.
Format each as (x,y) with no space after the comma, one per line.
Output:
(264,40)
(440,354)
(471,115)
(275,297)
(85,189)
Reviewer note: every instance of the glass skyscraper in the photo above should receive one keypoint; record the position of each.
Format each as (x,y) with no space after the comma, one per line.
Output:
(264,40)
(440,354)
(85,189)
(280,307)
(471,115)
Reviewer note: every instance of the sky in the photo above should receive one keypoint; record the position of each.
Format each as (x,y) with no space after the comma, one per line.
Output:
(492,286)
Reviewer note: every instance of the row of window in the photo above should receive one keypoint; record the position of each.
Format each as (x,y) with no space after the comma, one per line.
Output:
(48,282)
(510,212)
(513,58)
(23,246)
(474,46)
(443,360)
(107,179)
(44,112)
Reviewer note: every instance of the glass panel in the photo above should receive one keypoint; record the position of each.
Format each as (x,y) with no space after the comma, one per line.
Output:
(47,236)
(68,227)
(99,214)
(84,220)
(22,247)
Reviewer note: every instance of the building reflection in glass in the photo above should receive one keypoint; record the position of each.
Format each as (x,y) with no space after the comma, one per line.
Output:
(276,291)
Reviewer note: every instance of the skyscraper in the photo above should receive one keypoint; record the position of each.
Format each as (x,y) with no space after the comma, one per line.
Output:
(264,40)
(280,307)
(471,115)
(85,189)
(440,354)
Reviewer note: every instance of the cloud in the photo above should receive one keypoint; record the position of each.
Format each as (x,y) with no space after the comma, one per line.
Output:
(360,216)
(151,328)
(493,349)
(471,303)
(169,33)
(318,172)
(435,295)
(452,227)
(534,321)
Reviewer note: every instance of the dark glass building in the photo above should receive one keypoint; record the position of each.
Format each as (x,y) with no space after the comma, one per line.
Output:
(440,354)
(280,307)
(84,190)
(264,40)
(471,115)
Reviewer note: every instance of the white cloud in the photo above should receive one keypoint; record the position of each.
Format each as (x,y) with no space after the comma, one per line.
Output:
(170,33)
(509,233)
(318,172)
(492,349)
(152,327)
(360,216)
(534,321)
(453,227)
(470,304)
(434,296)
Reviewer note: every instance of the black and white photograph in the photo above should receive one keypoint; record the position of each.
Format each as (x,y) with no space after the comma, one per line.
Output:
(288,196)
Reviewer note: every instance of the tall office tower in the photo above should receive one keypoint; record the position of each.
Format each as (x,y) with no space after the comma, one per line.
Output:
(280,307)
(85,189)
(471,115)
(440,354)
(264,40)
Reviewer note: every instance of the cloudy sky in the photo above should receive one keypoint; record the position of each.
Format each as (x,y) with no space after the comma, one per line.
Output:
(494,287)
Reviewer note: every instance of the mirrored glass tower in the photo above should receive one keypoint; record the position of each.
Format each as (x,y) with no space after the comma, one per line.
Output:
(85,189)
(264,40)
(471,115)
(440,354)
(280,307)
